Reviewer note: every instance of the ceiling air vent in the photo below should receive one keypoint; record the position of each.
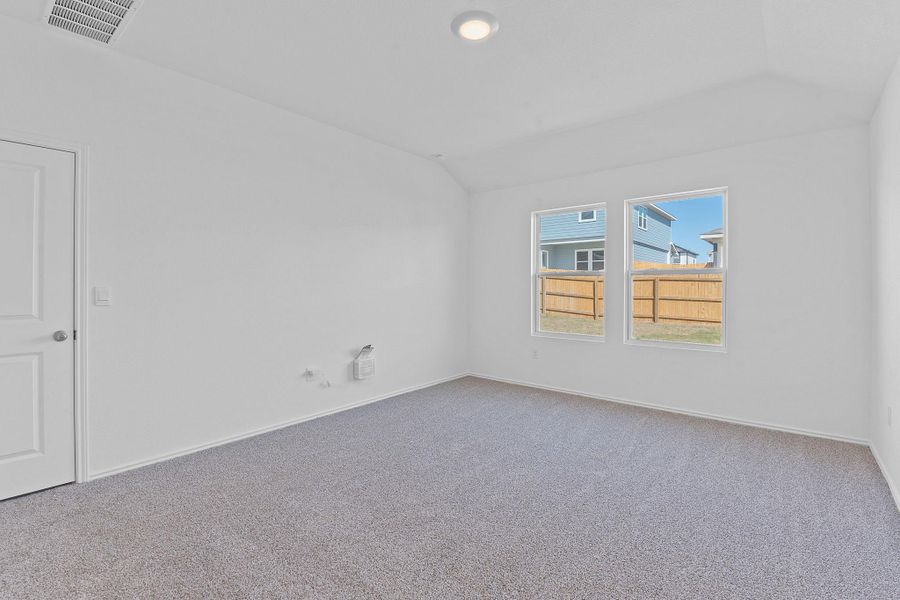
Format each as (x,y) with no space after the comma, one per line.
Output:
(99,20)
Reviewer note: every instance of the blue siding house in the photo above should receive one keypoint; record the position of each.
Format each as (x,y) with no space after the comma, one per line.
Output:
(651,232)
(577,240)
(576,237)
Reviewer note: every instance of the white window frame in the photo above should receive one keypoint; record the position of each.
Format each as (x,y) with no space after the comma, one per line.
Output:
(630,271)
(545,264)
(591,220)
(642,217)
(590,260)
(536,272)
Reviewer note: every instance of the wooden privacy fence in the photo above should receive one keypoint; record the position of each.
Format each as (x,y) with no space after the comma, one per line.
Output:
(692,298)
(579,296)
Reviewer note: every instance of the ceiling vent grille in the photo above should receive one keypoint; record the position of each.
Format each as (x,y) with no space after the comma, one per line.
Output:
(98,20)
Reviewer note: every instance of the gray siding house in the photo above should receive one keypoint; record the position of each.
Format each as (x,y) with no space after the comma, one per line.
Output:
(682,256)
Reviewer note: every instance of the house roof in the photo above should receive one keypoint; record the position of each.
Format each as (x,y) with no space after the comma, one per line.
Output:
(683,250)
(717,232)
(660,211)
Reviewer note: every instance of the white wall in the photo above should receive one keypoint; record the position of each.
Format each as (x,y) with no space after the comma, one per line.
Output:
(885,161)
(242,244)
(798,288)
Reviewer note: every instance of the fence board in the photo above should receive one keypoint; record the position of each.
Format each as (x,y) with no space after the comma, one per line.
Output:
(689,298)
(573,295)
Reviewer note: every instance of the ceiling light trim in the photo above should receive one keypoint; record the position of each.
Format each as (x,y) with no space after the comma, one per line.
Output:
(458,25)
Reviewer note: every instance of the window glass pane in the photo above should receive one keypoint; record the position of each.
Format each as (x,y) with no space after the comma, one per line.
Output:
(677,308)
(642,217)
(686,230)
(673,304)
(571,303)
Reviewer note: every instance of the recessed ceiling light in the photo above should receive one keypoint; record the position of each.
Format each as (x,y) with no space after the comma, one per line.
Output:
(475,25)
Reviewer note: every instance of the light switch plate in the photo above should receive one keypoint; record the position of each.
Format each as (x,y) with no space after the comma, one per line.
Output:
(102,296)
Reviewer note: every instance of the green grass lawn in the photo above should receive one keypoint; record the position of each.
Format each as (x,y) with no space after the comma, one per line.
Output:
(679,332)
(561,323)
(670,332)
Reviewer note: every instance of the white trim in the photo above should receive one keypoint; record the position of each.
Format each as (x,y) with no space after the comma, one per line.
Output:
(536,271)
(674,345)
(892,486)
(584,241)
(590,260)
(545,264)
(660,211)
(575,337)
(591,220)
(629,271)
(681,411)
(570,209)
(268,428)
(80,325)
(642,216)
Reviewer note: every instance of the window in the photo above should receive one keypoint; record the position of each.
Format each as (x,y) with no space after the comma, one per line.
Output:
(678,302)
(589,260)
(568,285)
(642,217)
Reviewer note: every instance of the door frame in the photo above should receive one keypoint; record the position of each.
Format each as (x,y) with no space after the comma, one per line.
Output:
(81,153)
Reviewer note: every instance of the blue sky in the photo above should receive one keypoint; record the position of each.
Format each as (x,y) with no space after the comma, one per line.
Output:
(695,216)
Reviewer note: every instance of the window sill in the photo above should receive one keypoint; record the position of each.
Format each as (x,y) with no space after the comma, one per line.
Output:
(576,337)
(676,345)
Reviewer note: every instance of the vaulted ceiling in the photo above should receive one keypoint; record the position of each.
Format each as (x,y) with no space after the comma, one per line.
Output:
(564,87)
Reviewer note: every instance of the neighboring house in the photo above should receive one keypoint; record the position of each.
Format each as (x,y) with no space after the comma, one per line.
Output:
(651,233)
(577,240)
(716,238)
(574,240)
(681,256)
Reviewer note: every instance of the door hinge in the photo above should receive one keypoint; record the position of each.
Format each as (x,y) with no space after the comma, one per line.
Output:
(74,335)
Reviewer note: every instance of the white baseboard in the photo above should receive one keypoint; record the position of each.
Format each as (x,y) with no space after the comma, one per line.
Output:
(892,486)
(681,411)
(895,491)
(267,429)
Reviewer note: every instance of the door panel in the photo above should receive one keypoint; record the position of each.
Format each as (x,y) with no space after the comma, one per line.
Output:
(19,242)
(37,278)
(22,411)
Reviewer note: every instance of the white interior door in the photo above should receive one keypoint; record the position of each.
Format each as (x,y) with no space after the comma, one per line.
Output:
(37,279)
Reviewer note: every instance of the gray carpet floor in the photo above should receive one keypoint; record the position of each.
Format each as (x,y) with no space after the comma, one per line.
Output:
(472,489)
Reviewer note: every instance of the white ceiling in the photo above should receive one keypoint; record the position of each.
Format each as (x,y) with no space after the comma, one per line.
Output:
(531,102)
